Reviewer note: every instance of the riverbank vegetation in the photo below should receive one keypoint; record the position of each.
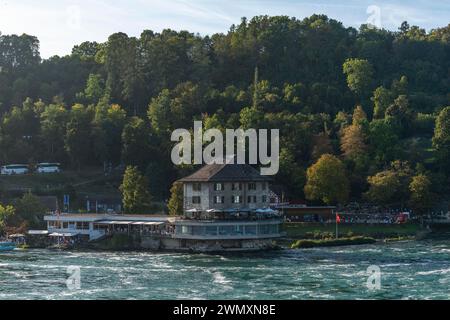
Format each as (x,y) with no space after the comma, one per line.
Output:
(370,103)
(323,231)
(301,244)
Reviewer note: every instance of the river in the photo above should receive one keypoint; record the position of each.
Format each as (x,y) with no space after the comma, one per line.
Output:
(409,270)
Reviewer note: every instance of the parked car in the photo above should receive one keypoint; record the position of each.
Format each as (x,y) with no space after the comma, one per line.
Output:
(48,168)
(14,169)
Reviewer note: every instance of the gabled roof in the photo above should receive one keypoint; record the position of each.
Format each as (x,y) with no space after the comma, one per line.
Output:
(226,172)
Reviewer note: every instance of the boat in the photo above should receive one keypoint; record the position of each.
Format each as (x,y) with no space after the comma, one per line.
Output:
(7,246)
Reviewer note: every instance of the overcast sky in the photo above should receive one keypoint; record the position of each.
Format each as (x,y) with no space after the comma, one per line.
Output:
(60,24)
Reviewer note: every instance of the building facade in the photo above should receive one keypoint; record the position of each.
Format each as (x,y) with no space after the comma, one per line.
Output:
(226,208)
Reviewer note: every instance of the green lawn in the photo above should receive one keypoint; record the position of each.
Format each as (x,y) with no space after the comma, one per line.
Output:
(306,230)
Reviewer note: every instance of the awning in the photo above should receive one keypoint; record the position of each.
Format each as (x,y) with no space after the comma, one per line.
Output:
(154,223)
(267,210)
(38,232)
(66,235)
(135,223)
(113,222)
(236,210)
(18,235)
(146,223)
(122,222)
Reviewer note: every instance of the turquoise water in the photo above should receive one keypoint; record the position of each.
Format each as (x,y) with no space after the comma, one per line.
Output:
(409,270)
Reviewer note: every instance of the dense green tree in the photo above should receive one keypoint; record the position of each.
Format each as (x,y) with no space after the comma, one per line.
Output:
(383,141)
(175,204)
(94,91)
(136,197)
(421,198)
(359,74)
(6,212)
(160,114)
(399,115)
(383,187)
(391,186)
(291,175)
(382,99)
(108,125)
(78,138)
(53,130)
(136,139)
(441,138)
(30,210)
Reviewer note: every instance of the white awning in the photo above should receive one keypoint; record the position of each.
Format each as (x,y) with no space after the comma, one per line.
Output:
(122,222)
(113,222)
(147,223)
(154,223)
(18,235)
(38,232)
(267,210)
(135,223)
(67,235)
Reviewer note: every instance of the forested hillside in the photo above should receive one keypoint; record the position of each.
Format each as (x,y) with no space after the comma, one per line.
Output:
(375,99)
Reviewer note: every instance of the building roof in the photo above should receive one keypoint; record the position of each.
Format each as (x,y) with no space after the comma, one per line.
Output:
(94,217)
(226,172)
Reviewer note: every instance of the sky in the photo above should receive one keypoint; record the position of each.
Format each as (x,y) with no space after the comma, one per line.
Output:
(61,24)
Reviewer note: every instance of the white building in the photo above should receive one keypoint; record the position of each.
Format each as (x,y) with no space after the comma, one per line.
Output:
(226,207)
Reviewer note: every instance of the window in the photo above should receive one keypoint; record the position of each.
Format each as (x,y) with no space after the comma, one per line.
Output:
(264,199)
(218,187)
(82,225)
(226,230)
(236,199)
(264,186)
(236,186)
(197,187)
(196,200)
(251,230)
(252,186)
(251,199)
(219,199)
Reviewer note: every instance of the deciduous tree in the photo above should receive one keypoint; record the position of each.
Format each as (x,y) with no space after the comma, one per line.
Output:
(327,181)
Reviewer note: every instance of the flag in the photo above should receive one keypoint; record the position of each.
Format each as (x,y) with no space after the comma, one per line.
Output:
(338,219)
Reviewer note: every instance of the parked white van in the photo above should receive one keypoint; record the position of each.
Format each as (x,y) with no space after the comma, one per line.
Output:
(14,169)
(48,168)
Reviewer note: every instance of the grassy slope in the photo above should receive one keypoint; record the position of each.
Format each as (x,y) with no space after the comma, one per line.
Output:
(84,181)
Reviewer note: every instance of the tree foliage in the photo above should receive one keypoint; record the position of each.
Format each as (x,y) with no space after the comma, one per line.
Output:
(117,102)
(136,197)
(327,181)
(175,204)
